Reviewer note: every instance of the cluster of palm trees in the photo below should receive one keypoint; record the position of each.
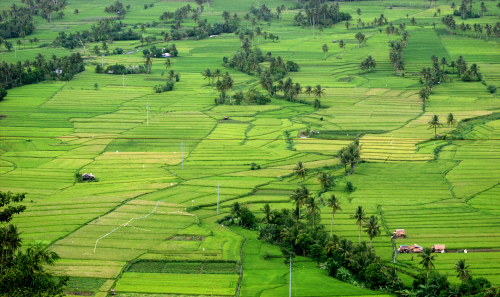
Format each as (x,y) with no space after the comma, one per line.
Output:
(368,63)
(478,29)
(350,155)
(435,123)
(116,8)
(29,72)
(320,14)
(17,21)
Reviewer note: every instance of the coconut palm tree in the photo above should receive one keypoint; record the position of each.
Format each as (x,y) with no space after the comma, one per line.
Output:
(317,104)
(148,62)
(326,181)
(319,92)
(325,49)
(434,123)
(450,120)
(347,25)
(308,91)
(258,32)
(342,45)
(427,260)
(300,171)
(76,12)
(236,209)
(313,209)
(372,228)
(360,217)
(461,268)
(207,74)
(360,37)
(268,213)
(334,203)
(168,63)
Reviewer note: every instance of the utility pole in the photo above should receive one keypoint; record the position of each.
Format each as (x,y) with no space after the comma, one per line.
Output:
(218,191)
(147,114)
(290,291)
(123,84)
(182,156)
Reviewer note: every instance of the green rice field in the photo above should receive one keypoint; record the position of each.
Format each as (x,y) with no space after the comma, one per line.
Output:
(148,226)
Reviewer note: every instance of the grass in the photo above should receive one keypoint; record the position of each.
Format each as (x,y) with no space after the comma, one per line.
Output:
(54,129)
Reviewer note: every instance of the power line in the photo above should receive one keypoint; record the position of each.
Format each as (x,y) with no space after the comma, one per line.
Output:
(381,139)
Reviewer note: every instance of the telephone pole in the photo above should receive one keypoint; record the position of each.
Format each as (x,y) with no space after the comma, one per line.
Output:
(147,114)
(218,191)
(290,291)
(182,155)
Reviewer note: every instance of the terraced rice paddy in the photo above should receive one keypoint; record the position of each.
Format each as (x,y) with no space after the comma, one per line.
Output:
(147,227)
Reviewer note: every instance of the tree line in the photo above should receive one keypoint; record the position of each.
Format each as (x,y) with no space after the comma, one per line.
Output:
(30,72)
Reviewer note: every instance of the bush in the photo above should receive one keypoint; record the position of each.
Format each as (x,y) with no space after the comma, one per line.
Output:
(492,89)
(349,187)
(3,93)
(169,86)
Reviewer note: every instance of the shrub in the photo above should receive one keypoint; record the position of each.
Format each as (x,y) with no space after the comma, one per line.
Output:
(492,89)
(349,187)
(169,86)
(3,93)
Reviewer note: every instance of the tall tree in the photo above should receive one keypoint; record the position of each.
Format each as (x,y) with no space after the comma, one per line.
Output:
(334,203)
(268,213)
(313,209)
(342,45)
(360,217)
(207,73)
(326,181)
(300,171)
(76,12)
(372,228)
(427,260)
(434,123)
(461,269)
(450,120)
(325,49)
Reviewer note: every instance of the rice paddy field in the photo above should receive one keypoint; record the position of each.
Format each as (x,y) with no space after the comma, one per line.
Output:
(147,227)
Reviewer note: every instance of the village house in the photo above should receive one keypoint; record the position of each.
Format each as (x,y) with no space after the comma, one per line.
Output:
(404,249)
(438,248)
(399,233)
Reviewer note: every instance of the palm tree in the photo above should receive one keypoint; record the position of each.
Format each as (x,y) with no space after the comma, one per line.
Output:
(347,25)
(434,123)
(313,208)
(76,12)
(318,91)
(372,228)
(149,62)
(427,259)
(461,268)
(360,37)
(450,120)
(168,63)
(171,75)
(325,49)
(207,74)
(413,22)
(360,217)
(342,45)
(268,213)
(258,32)
(236,209)
(326,181)
(334,203)
(217,73)
(300,171)
(308,91)
(317,104)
